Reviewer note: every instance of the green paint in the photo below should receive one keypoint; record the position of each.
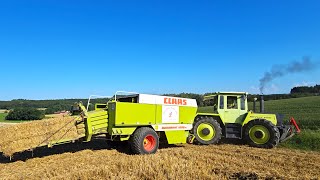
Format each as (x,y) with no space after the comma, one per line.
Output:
(176,137)
(123,130)
(252,116)
(122,119)
(96,122)
(134,114)
(263,131)
(238,113)
(187,114)
(206,137)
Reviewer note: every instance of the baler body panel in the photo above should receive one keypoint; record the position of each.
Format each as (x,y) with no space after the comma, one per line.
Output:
(151,111)
(176,137)
(132,114)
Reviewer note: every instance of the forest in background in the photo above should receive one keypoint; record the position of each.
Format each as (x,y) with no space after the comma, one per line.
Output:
(55,105)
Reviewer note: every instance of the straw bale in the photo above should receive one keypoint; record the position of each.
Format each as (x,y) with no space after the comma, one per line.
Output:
(25,136)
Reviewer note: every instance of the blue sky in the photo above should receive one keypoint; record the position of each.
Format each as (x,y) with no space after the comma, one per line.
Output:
(71,49)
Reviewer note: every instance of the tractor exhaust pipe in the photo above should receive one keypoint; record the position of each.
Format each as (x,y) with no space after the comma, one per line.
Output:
(261,104)
(254,104)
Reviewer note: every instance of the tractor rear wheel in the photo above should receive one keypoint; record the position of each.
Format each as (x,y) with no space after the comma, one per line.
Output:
(261,133)
(144,141)
(207,130)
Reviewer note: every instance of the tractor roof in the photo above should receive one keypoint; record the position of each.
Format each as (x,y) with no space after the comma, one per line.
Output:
(211,96)
(235,93)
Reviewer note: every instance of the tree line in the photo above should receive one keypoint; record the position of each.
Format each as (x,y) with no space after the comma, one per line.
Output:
(50,106)
(306,89)
(65,104)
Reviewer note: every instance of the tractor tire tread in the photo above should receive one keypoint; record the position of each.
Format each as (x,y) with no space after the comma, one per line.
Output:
(273,130)
(207,119)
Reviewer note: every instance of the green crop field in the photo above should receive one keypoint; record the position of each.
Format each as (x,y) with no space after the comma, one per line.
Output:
(2,117)
(305,110)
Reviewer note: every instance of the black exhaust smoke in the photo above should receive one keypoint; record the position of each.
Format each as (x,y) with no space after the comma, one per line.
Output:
(281,70)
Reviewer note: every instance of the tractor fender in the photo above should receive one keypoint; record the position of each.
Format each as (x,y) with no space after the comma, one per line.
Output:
(214,116)
(253,116)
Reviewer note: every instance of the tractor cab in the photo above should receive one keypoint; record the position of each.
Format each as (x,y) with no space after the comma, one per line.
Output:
(231,106)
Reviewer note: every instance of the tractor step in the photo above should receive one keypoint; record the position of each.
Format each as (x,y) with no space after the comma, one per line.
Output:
(233,130)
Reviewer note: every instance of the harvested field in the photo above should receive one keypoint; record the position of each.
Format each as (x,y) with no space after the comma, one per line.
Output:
(97,160)
(24,136)
(6,124)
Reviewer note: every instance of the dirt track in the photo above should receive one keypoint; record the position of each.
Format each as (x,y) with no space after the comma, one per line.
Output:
(99,161)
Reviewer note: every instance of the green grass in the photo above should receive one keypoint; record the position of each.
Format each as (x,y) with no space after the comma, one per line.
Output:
(3,119)
(2,116)
(306,140)
(305,110)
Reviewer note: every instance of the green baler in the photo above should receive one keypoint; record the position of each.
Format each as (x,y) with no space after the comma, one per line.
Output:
(142,119)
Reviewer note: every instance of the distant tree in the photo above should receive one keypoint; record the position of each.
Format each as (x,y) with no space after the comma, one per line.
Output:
(25,114)
(306,90)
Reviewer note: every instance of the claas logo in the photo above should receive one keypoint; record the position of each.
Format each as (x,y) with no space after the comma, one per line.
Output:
(175,101)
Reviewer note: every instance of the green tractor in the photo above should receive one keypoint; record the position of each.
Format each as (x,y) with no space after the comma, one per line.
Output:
(231,119)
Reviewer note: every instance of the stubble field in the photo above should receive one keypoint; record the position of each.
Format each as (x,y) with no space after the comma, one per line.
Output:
(97,160)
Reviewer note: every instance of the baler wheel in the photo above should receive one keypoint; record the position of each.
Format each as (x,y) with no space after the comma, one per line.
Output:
(144,141)
(207,130)
(261,133)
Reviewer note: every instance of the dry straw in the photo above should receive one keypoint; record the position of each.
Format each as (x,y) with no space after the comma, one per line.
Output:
(186,162)
(25,136)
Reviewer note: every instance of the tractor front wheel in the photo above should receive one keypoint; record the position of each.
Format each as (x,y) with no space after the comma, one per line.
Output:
(144,141)
(206,130)
(261,133)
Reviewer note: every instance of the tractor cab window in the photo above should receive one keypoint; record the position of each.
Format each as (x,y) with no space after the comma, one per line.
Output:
(243,102)
(232,102)
(221,102)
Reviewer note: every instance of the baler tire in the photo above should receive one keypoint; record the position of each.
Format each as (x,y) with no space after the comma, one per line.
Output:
(144,141)
(215,132)
(269,139)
